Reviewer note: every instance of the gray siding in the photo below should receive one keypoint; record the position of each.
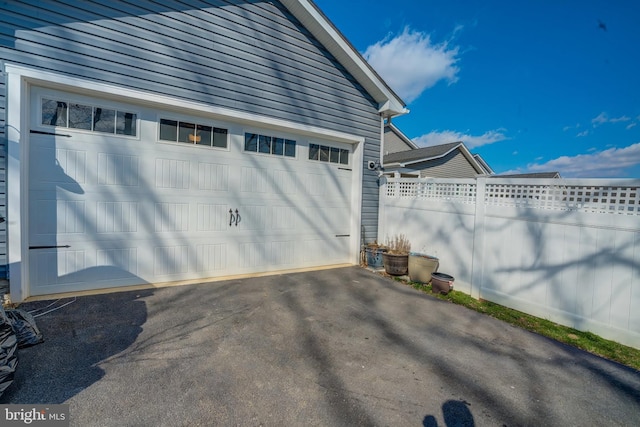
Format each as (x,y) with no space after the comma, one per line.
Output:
(453,165)
(251,56)
(393,143)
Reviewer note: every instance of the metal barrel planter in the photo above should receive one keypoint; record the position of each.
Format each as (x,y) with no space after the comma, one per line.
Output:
(396,264)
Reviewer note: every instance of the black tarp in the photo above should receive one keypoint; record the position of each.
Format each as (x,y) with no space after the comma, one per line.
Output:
(8,352)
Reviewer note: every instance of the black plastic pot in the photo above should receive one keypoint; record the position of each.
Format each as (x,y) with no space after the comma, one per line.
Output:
(442,283)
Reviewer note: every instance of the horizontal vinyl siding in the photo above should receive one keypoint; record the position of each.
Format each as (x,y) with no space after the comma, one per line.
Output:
(453,165)
(251,56)
(240,57)
(394,144)
(370,188)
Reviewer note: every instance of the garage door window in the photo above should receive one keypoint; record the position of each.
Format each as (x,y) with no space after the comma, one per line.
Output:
(192,133)
(269,145)
(72,115)
(325,153)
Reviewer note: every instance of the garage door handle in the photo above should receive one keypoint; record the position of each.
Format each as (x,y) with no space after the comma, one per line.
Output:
(49,247)
(234,219)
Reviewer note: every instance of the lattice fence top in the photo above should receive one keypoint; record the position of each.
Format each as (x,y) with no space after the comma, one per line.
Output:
(557,194)
(586,198)
(448,191)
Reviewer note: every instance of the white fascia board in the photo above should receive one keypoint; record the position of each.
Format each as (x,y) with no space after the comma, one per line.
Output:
(389,104)
(474,163)
(395,164)
(65,82)
(484,164)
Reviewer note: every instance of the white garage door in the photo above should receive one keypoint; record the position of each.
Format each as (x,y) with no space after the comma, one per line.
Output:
(122,194)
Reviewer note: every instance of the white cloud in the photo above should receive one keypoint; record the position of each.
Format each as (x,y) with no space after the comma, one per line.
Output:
(610,163)
(566,128)
(410,63)
(620,119)
(600,119)
(583,133)
(471,141)
(603,118)
(631,125)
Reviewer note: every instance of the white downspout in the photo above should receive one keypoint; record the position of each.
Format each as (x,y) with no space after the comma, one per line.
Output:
(381,141)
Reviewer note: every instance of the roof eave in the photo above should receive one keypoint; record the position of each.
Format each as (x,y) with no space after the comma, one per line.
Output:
(472,160)
(483,164)
(391,109)
(389,104)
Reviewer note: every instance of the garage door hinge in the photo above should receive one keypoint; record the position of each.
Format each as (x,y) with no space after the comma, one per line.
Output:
(41,132)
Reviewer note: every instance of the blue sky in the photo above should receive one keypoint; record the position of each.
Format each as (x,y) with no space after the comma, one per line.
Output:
(531,86)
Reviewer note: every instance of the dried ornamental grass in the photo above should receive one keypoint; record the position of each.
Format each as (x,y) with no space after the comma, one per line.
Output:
(398,244)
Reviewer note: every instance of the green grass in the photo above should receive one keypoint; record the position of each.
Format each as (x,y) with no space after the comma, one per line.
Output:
(587,341)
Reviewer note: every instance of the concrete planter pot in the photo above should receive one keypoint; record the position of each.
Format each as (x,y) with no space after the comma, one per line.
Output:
(421,266)
(396,264)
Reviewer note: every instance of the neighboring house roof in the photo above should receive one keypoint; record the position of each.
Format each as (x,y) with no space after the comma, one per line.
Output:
(391,128)
(530,175)
(483,164)
(389,104)
(421,154)
(425,154)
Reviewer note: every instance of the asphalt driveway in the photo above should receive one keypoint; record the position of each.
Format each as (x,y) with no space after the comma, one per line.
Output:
(335,347)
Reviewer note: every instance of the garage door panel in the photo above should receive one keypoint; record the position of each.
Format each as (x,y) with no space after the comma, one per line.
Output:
(135,210)
(52,170)
(125,260)
(48,267)
(321,251)
(52,220)
(118,170)
(53,270)
(113,217)
(213,177)
(190,260)
(212,217)
(212,258)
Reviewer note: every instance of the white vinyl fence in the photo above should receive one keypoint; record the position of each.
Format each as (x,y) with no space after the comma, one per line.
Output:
(567,250)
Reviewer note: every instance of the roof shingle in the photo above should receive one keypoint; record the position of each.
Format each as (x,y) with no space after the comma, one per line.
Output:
(424,153)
